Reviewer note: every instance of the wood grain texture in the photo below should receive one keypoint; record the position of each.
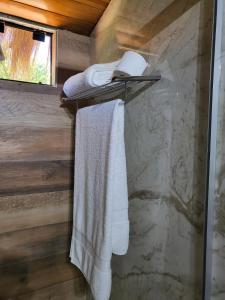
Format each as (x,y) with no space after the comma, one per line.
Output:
(76,16)
(72,289)
(22,143)
(45,17)
(27,277)
(36,195)
(21,212)
(25,177)
(33,110)
(95,3)
(67,8)
(34,243)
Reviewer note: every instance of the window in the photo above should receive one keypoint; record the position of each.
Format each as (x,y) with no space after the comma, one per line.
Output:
(26,53)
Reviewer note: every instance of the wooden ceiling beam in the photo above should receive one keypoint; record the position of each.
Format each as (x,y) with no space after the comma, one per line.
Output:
(95,3)
(68,8)
(45,17)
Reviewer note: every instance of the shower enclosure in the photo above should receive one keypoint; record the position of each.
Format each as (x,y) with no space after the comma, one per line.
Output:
(214,262)
(175,150)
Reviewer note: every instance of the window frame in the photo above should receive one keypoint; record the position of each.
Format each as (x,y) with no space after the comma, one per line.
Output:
(49,31)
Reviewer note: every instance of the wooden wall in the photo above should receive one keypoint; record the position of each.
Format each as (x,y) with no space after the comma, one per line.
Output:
(36,163)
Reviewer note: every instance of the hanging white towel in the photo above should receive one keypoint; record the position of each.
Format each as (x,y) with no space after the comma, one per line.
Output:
(100,225)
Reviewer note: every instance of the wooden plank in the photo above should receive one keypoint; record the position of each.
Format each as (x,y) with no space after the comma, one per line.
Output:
(35,243)
(25,177)
(45,17)
(27,211)
(21,86)
(67,8)
(34,144)
(54,60)
(70,290)
(27,277)
(95,3)
(31,109)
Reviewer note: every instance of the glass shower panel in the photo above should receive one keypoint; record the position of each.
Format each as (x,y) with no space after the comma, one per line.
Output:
(218,259)
(166,142)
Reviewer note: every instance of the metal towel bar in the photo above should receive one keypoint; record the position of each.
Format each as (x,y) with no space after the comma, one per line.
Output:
(118,84)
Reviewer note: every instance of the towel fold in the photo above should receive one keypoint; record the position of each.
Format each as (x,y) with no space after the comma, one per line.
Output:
(131,64)
(95,75)
(100,225)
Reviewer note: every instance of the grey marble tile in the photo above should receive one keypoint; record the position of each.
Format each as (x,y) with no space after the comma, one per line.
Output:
(165,145)
(218,263)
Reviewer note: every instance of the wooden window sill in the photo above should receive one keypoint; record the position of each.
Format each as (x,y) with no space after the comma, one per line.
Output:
(29,87)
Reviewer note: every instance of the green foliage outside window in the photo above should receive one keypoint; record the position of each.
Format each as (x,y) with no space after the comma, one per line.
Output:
(25,59)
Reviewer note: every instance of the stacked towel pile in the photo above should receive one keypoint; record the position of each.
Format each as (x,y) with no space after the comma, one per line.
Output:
(131,64)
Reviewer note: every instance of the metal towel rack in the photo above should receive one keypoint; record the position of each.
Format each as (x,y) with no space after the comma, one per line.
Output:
(117,85)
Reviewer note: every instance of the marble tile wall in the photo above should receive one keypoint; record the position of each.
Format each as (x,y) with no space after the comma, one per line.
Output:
(165,144)
(218,263)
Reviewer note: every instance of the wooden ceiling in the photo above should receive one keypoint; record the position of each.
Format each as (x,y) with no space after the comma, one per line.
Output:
(79,16)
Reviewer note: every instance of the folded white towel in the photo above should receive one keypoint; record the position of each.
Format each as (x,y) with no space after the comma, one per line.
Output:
(101,225)
(95,75)
(132,64)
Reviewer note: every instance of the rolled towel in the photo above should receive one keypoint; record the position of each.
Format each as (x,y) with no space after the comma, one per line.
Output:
(95,75)
(74,84)
(100,74)
(131,64)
